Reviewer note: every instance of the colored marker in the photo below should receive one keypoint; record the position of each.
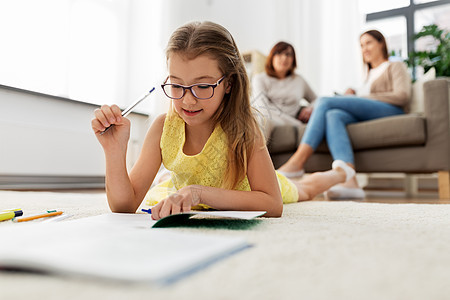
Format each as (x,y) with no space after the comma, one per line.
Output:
(10,214)
(11,209)
(57,219)
(30,218)
(149,211)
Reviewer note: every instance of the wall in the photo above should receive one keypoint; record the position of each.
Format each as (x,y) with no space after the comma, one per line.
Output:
(49,137)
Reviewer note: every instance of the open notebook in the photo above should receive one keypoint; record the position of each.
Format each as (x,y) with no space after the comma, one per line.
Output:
(145,220)
(112,246)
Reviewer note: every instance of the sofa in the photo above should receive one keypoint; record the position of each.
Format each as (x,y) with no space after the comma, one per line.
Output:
(414,143)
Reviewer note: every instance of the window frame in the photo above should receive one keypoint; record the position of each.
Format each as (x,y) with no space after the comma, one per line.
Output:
(408,12)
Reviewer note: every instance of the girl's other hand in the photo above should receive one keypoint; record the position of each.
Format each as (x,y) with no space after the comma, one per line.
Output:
(181,201)
(106,116)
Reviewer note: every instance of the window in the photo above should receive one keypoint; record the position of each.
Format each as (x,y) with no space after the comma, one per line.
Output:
(75,49)
(368,6)
(439,15)
(434,15)
(394,30)
(399,20)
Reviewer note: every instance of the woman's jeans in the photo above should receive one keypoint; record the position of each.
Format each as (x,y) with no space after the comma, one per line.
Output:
(331,115)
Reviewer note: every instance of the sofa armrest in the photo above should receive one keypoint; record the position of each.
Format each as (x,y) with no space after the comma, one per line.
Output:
(436,105)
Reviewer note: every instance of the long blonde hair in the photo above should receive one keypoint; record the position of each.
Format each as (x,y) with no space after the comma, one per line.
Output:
(235,112)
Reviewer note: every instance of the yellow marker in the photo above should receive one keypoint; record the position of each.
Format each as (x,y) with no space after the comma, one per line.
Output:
(11,209)
(10,214)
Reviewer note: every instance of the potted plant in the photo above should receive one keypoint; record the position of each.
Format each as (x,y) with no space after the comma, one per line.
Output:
(439,57)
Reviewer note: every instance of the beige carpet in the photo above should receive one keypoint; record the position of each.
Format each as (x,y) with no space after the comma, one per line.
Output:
(317,250)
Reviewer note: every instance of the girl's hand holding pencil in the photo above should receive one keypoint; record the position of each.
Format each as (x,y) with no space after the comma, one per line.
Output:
(107,117)
(111,117)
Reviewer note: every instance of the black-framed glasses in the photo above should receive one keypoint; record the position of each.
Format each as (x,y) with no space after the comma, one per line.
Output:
(201,91)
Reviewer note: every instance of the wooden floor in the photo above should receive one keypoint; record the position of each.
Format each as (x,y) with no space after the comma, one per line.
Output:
(398,196)
(375,196)
(429,198)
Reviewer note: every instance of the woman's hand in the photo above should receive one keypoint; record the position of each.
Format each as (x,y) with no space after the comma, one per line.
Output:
(119,134)
(181,201)
(350,91)
(305,114)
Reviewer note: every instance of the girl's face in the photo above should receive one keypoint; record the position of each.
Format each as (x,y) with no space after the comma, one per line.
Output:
(371,48)
(185,72)
(282,62)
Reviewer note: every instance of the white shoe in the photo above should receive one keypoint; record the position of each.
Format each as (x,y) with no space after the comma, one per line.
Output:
(339,192)
(349,171)
(296,174)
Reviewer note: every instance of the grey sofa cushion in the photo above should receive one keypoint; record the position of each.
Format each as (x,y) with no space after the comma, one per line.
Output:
(403,130)
(284,138)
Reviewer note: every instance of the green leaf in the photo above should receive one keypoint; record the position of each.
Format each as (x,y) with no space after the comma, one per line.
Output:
(438,58)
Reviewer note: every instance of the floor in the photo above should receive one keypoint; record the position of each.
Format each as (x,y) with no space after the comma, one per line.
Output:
(373,196)
(399,196)
(319,249)
(377,197)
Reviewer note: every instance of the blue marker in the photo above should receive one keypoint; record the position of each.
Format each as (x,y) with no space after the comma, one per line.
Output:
(149,211)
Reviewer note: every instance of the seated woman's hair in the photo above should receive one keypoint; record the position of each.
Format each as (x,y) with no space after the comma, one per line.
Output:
(277,49)
(380,38)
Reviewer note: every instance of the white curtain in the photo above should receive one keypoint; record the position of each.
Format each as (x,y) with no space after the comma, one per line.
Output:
(328,44)
(325,33)
(112,51)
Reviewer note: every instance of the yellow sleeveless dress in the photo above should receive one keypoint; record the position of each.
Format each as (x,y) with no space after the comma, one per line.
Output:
(206,168)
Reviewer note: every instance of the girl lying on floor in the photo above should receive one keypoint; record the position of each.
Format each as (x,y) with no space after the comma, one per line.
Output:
(209,139)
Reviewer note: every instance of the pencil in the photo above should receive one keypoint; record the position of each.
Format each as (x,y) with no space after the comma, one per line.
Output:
(130,108)
(30,218)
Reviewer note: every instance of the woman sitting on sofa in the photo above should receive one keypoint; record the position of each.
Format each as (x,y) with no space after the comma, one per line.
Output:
(278,92)
(385,92)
